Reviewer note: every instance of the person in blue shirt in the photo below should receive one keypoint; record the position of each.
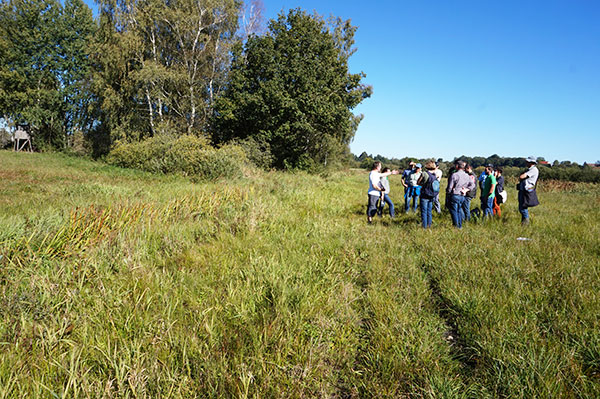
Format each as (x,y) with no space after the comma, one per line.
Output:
(405,175)
(483,175)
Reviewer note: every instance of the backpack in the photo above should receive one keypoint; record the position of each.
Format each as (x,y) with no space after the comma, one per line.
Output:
(435,185)
(431,187)
(503,197)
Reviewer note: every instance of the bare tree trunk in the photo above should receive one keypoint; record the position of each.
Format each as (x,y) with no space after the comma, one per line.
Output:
(193,110)
(213,73)
(150,112)
(252,18)
(155,56)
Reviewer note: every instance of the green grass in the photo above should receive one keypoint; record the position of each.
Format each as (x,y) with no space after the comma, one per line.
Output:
(122,284)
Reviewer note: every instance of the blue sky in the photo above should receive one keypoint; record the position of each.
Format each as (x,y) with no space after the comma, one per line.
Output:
(514,78)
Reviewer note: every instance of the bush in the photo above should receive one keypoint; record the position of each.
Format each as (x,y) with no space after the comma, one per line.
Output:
(186,155)
(257,150)
(5,139)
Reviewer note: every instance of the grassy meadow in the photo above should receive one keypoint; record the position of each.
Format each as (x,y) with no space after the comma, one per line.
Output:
(121,284)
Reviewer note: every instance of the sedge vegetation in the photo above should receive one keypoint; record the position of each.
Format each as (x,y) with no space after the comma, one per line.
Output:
(122,284)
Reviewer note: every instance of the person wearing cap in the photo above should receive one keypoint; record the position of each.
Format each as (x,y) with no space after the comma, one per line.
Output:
(414,190)
(458,185)
(488,192)
(527,194)
(405,174)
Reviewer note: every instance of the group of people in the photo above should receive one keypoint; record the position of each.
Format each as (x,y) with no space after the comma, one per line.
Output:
(422,189)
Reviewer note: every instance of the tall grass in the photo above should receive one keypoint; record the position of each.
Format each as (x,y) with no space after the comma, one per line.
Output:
(115,283)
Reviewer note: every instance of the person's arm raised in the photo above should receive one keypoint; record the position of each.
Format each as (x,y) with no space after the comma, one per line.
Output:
(391,172)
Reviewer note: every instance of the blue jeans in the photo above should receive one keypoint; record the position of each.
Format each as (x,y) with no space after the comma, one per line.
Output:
(412,192)
(523,209)
(456,202)
(436,203)
(372,205)
(466,209)
(387,200)
(426,207)
(487,206)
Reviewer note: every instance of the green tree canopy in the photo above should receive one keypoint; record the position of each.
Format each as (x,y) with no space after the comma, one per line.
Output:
(43,62)
(291,88)
(158,63)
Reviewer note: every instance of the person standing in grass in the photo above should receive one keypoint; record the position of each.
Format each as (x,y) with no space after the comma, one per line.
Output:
(470,195)
(414,190)
(488,192)
(375,189)
(458,185)
(483,176)
(450,173)
(527,194)
(499,190)
(438,175)
(430,186)
(405,174)
(385,197)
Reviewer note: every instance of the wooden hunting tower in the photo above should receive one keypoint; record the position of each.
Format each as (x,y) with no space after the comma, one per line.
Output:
(22,138)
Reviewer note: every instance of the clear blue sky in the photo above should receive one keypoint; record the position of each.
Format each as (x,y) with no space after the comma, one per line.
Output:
(515,78)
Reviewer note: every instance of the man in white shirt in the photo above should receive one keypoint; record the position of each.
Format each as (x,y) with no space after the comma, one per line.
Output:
(375,188)
(527,194)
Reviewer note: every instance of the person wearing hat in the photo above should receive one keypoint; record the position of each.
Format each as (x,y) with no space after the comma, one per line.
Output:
(429,188)
(527,194)
(414,190)
(438,175)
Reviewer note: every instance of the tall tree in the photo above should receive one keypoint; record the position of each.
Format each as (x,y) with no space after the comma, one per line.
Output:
(43,65)
(159,63)
(291,88)
(114,64)
(77,27)
(29,66)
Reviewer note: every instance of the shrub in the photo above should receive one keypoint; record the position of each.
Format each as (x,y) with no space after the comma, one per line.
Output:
(186,155)
(5,139)
(258,151)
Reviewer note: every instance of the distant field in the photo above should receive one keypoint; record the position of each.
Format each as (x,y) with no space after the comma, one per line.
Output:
(121,284)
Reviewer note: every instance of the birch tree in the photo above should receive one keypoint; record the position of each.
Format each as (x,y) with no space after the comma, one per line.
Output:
(177,53)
